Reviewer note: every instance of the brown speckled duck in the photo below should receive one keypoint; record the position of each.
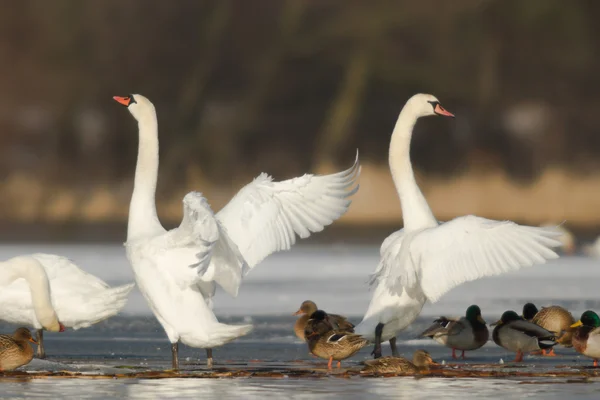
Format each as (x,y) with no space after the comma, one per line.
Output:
(399,365)
(328,343)
(554,319)
(307,308)
(15,349)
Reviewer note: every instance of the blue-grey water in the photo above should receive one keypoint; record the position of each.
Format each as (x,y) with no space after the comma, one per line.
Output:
(335,277)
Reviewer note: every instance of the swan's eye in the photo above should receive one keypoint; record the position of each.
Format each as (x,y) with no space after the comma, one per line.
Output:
(434,103)
(132,99)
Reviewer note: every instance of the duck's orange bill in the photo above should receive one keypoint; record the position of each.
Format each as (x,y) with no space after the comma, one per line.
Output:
(123,100)
(298,312)
(439,110)
(32,340)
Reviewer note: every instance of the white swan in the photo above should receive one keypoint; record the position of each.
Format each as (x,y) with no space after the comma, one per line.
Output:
(42,289)
(176,270)
(426,259)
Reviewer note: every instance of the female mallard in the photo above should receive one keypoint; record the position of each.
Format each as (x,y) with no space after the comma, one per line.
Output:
(325,342)
(586,338)
(514,333)
(307,308)
(15,350)
(466,333)
(398,365)
(553,318)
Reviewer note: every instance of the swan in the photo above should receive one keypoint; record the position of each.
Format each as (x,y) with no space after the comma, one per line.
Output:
(426,259)
(50,292)
(177,270)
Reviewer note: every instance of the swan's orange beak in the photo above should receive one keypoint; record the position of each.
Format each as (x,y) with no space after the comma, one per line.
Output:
(32,340)
(439,110)
(62,327)
(299,312)
(123,100)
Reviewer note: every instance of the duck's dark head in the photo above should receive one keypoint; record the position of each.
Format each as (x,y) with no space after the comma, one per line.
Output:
(508,316)
(529,311)
(473,314)
(588,318)
(319,315)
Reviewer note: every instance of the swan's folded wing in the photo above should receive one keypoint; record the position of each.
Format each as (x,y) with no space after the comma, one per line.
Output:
(65,275)
(187,250)
(465,249)
(265,216)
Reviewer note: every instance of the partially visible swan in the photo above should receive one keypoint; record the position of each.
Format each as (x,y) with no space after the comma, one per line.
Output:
(426,259)
(176,270)
(42,289)
(566,237)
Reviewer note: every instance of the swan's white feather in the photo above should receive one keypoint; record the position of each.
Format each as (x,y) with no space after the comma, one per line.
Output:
(265,216)
(79,299)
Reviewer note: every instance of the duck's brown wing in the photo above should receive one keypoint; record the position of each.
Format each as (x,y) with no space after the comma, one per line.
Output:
(340,323)
(6,343)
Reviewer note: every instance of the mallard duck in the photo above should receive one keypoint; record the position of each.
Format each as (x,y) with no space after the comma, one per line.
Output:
(398,365)
(325,342)
(15,350)
(307,308)
(466,333)
(515,334)
(586,338)
(553,318)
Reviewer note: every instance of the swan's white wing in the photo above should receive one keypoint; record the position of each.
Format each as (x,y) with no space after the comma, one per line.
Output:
(186,251)
(464,249)
(265,216)
(66,276)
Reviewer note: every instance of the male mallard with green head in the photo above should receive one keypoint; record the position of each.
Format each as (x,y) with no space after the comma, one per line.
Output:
(307,308)
(15,349)
(586,338)
(552,318)
(328,343)
(398,365)
(515,334)
(467,333)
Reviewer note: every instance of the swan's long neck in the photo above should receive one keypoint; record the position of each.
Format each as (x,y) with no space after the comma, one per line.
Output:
(415,210)
(34,273)
(143,219)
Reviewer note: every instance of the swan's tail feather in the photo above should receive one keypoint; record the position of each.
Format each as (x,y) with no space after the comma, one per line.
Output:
(101,305)
(223,333)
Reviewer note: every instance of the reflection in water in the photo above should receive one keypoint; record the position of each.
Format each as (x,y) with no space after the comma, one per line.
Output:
(354,388)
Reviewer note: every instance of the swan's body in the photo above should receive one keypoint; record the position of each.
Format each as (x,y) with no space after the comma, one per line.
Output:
(177,270)
(42,289)
(426,259)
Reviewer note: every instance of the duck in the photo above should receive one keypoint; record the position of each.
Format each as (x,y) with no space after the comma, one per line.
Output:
(398,365)
(554,319)
(177,271)
(307,308)
(586,337)
(50,292)
(467,333)
(515,334)
(328,343)
(425,259)
(15,350)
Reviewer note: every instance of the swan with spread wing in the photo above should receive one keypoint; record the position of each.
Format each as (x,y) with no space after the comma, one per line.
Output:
(177,270)
(426,259)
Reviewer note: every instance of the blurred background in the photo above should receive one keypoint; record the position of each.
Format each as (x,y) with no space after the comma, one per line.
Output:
(295,86)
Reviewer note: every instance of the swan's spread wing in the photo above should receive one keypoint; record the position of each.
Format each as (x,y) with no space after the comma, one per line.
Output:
(186,251)
(266,216)
(465,249)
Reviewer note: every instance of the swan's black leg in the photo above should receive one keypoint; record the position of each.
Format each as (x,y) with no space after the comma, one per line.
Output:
(209,359)
(393,346)
(377,349)
(41,352)
(174,352)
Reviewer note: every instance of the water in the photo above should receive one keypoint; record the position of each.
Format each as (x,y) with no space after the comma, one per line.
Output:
(335,277)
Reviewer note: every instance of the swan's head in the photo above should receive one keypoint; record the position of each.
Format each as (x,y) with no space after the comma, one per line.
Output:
(138,105)
(423,105)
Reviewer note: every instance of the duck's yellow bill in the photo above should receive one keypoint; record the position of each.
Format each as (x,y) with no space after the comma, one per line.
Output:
(481,319)
(576,324)
(499,322)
